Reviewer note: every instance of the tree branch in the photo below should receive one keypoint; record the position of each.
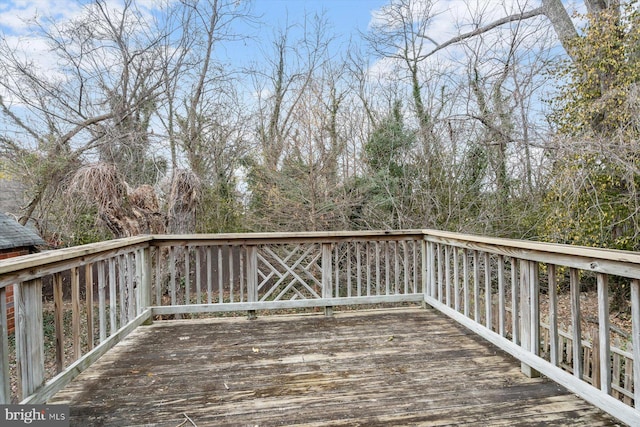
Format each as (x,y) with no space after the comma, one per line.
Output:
(511,18)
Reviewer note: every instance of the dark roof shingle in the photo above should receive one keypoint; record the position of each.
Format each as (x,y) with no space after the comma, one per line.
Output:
(14,235)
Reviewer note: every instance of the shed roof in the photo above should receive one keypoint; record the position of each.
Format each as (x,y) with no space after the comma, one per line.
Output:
(14,235)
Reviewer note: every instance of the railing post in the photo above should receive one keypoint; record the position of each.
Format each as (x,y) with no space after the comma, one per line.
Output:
(5,381)
(635,338)
(529,313)
(252,278)
(144,269)
(29,336)
(326,277)
(425,271)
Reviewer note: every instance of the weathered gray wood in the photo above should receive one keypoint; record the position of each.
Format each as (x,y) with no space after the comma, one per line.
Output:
(447,275)
(525,313)
(158,278)
(198,250)
(358,269)
(326,276)
(554,354)
(488,302)
(465,285)
(502,313)
(603,333)
(576,328)
(220,282)
(88,285)
(440,267)
(32,266)
(172,275)
(476,286)
(102,302)
(431,248)
(75,313)
(608,261)
(5,379)
(209,250)
(186,250)
(58,320)
(635,327)
(112,295)
(146,282)
(52,386)
(456,279)
(29,336)
(286,304)
(252,274)
(534,296)
(515,302)
(591,394)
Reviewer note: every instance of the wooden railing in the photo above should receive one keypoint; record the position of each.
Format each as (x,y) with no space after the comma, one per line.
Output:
(94,295)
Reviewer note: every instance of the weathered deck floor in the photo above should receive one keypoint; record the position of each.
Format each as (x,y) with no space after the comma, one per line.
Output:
(377,367)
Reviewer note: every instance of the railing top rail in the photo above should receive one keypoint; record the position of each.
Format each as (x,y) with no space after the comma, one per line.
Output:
(36,260)
(524,246)
(284,237)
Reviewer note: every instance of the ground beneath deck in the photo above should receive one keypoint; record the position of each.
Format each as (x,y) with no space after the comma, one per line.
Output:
(375,367)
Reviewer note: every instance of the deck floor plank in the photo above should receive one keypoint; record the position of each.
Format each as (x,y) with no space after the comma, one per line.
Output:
(405,366)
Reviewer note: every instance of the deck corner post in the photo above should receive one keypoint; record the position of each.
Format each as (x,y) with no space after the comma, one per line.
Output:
(30,336)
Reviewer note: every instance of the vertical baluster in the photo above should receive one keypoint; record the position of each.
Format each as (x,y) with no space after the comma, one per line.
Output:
(231,274)
(198,250)
(58,320)
(396,267)
(88,289)
(575,322)
(447,275)
(476,287)
(348,269)
(187,274)
(75,312)
(359,269)
(131,299)
(501,298)
(209,274)
(416,271)
(465,282)
(336,270)
(603,333)
(405,265)
(488,297)
(369,284)
(241,254)
(456,279)
(29,336)
(553,315)
(377,247)
(172,269)
(5,382)
(220,277)
(635,328)
(515,303)
(113,302)
(387,268)
(158,281)
(102,301)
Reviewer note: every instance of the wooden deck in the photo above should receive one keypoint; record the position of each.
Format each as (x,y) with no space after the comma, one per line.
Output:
(372,367)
